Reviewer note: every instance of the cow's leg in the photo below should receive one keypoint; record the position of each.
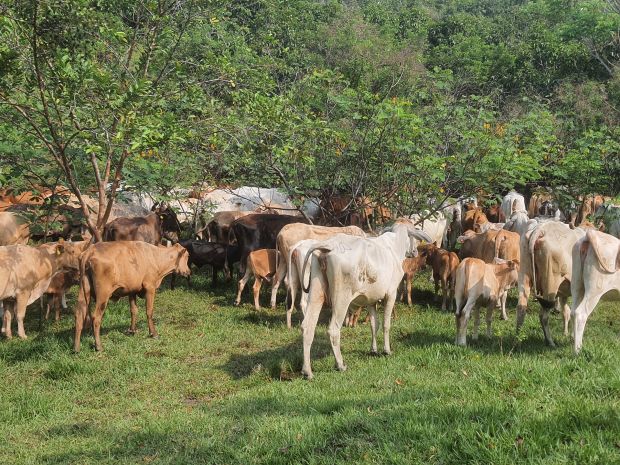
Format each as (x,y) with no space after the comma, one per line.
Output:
(173,281)
(339,312)
(21,302)
(476,322)
(565,312)
(150,302)
(489,320)
(409,290)
(444,290)
(258,282)
(100,307)
(462,317)
(6,319)
(242,283)
(133,308)
(436,279)
(524,295)
(502,299)
(387,322)
(292,289)
(48,305)
(80,312)
(277,280)
(308,326)
(581,314)
(355,316)
(544,323)
(373,328)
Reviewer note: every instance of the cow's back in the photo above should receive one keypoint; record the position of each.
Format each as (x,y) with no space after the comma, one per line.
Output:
(13,230)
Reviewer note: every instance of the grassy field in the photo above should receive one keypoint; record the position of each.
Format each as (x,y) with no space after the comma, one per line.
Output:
(222,386)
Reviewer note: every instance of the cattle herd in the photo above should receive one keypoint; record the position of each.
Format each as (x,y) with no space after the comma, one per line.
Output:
(476,255)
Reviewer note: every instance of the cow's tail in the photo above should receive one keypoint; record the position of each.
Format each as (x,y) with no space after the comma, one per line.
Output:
(534,237)
(464,296)
(306,288)
(499,238)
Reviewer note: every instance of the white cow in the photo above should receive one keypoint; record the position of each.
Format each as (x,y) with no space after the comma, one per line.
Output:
(436,226)
(353,271)
(513,202)
(596,272)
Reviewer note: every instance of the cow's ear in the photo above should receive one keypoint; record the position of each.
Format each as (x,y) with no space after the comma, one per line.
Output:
(60,248)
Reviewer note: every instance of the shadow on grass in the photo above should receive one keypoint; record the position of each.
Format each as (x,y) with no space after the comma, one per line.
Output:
(279,363)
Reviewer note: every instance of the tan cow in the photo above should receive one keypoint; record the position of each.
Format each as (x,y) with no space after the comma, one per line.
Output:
(444,265)
(124,268)
(25,274)
(262,265)
(549,249)
(13,229)
(478,283)
(289,237)
(472,218)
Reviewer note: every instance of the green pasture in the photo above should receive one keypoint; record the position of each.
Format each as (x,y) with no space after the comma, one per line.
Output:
(222,386)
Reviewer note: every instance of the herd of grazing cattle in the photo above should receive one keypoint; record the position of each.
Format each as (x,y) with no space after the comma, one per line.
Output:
(343,267)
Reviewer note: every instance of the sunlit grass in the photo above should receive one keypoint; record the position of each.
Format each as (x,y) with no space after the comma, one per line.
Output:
(222,385)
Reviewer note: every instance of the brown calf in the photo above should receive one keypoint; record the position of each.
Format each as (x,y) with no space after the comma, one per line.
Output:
(478,283)
(262,265)
(444,265)
(411,266)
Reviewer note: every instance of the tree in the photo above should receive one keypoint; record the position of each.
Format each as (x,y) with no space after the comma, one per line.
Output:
(87,84)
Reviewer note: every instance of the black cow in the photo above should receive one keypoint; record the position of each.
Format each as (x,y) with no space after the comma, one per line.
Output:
(215,254)
(258,231)
(170,226)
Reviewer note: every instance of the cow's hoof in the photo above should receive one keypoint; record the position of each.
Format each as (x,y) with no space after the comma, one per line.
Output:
(154,336)
(374,353)
(98,348)
(23,337)
(132,332)
(504,317)
(341,368)
(236,304)
(387,352)
(307,374)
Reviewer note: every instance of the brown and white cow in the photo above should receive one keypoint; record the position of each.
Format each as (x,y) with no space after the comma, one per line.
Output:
(123,268)
(595,273)
(25,274)
(264,265)
(444,266)
(478,283)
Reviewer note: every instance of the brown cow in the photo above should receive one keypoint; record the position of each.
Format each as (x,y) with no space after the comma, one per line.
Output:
(444,265)
(258,231)
(494,213)
(124,268)
(217,229)
(136,228)
(262,265)
(13,229)
(472,218)
(478,283)
(411,266)
(25,274)
(55,292)
(478,245)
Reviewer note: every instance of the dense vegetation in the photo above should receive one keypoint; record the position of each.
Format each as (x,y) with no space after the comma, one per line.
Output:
(400,100)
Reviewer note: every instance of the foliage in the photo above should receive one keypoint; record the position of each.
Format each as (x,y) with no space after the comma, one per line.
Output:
(400,101)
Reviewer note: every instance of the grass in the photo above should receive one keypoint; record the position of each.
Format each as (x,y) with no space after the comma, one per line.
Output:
(222,385)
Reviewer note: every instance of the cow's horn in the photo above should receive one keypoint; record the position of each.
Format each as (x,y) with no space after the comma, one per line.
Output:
(420,235)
